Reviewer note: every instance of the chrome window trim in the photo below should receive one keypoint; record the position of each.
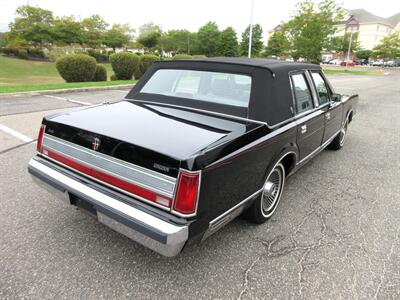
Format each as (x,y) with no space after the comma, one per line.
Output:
(328,88)
(199,110)
(312,88)
(133,168)
(306,79)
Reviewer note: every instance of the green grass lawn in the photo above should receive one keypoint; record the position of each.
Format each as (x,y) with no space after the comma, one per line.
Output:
(354,72)
(18,75)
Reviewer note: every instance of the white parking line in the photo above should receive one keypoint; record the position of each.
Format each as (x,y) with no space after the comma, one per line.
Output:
(68,100)
(16,134)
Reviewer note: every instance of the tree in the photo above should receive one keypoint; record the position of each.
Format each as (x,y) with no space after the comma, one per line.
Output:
(389,47)
(32,24)
(94,28)
(278,45)
(176,41)
(227,43)
(149,35)
(311,27)
(207,37)
(340,44)
(364,54)
(67,30)
(117,36)
(256,41)
(3,39)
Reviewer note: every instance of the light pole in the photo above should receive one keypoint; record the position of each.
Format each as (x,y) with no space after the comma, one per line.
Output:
(351,29)
(251,28)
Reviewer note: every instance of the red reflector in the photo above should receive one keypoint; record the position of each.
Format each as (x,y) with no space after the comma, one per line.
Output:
(186,193)
(39,147)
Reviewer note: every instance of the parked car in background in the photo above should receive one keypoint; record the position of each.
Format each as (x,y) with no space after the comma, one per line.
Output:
(335,61)
(377,63)
(390,63)
(362,62)
(348,63)
(193,145)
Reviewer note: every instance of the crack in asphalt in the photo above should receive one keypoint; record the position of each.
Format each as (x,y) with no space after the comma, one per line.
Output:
(382,277)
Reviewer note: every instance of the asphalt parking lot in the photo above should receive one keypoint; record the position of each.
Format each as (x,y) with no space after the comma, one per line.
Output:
(336,233)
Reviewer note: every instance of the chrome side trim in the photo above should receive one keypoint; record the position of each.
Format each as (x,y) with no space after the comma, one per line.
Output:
(236,210)
(320,148)
(159,235)
(142,177)
(227,216)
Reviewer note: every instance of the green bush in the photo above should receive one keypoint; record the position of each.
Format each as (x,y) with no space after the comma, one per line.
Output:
(182,56)
(10,51)
(113,77)
(98,56)
(146,61)
(36,53)
(124,64)
(22,53)
(76,67)
(100,74)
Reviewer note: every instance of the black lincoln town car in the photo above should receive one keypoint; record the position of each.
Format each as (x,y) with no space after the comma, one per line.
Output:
(193,145)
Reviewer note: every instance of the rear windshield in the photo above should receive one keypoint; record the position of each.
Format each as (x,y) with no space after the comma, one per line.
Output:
(221,88)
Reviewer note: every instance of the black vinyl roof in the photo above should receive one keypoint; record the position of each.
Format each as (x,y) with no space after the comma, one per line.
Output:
(271,98)
(270,64)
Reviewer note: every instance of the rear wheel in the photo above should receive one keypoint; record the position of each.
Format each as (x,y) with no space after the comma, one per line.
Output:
(339,140)
(264,207)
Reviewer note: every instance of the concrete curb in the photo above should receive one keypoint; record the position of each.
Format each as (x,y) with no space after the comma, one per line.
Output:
(72,90)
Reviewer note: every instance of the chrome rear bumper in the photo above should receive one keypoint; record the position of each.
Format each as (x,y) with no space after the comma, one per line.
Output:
(161,236)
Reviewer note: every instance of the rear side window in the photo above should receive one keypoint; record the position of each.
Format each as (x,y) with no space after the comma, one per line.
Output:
(301,93)
(321,88)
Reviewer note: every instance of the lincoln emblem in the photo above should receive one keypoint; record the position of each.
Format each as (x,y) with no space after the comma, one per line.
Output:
(96,144)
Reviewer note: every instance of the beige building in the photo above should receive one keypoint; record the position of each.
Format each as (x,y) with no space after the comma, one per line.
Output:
(371,28)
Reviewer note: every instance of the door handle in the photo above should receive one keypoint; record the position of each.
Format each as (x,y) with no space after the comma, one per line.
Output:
(303,129)
(328,116)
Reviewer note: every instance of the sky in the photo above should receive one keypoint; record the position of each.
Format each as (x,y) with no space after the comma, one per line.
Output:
(188,14)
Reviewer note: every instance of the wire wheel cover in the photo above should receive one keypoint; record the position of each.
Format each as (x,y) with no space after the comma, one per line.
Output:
(272,189)
(343,133)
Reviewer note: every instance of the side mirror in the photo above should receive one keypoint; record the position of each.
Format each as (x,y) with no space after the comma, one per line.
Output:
(336,97)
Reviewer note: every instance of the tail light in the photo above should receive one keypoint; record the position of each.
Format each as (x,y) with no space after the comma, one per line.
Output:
(186,196)
(39,147)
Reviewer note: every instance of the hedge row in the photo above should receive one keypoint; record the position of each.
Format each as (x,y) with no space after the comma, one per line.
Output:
(24,53)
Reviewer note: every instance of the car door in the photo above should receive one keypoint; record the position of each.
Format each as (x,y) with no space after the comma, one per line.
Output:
(333,110)
(309,118)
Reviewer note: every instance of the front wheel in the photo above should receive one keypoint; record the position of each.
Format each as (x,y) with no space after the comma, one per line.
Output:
(264,207)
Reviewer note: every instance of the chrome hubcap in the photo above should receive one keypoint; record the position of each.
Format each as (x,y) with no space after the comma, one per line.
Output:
(271,190)
(343,133)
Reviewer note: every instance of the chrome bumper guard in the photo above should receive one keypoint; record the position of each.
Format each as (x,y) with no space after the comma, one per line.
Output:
(163,237)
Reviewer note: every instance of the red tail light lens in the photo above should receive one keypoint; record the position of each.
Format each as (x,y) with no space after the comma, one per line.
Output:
(187,193)
(39,147)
